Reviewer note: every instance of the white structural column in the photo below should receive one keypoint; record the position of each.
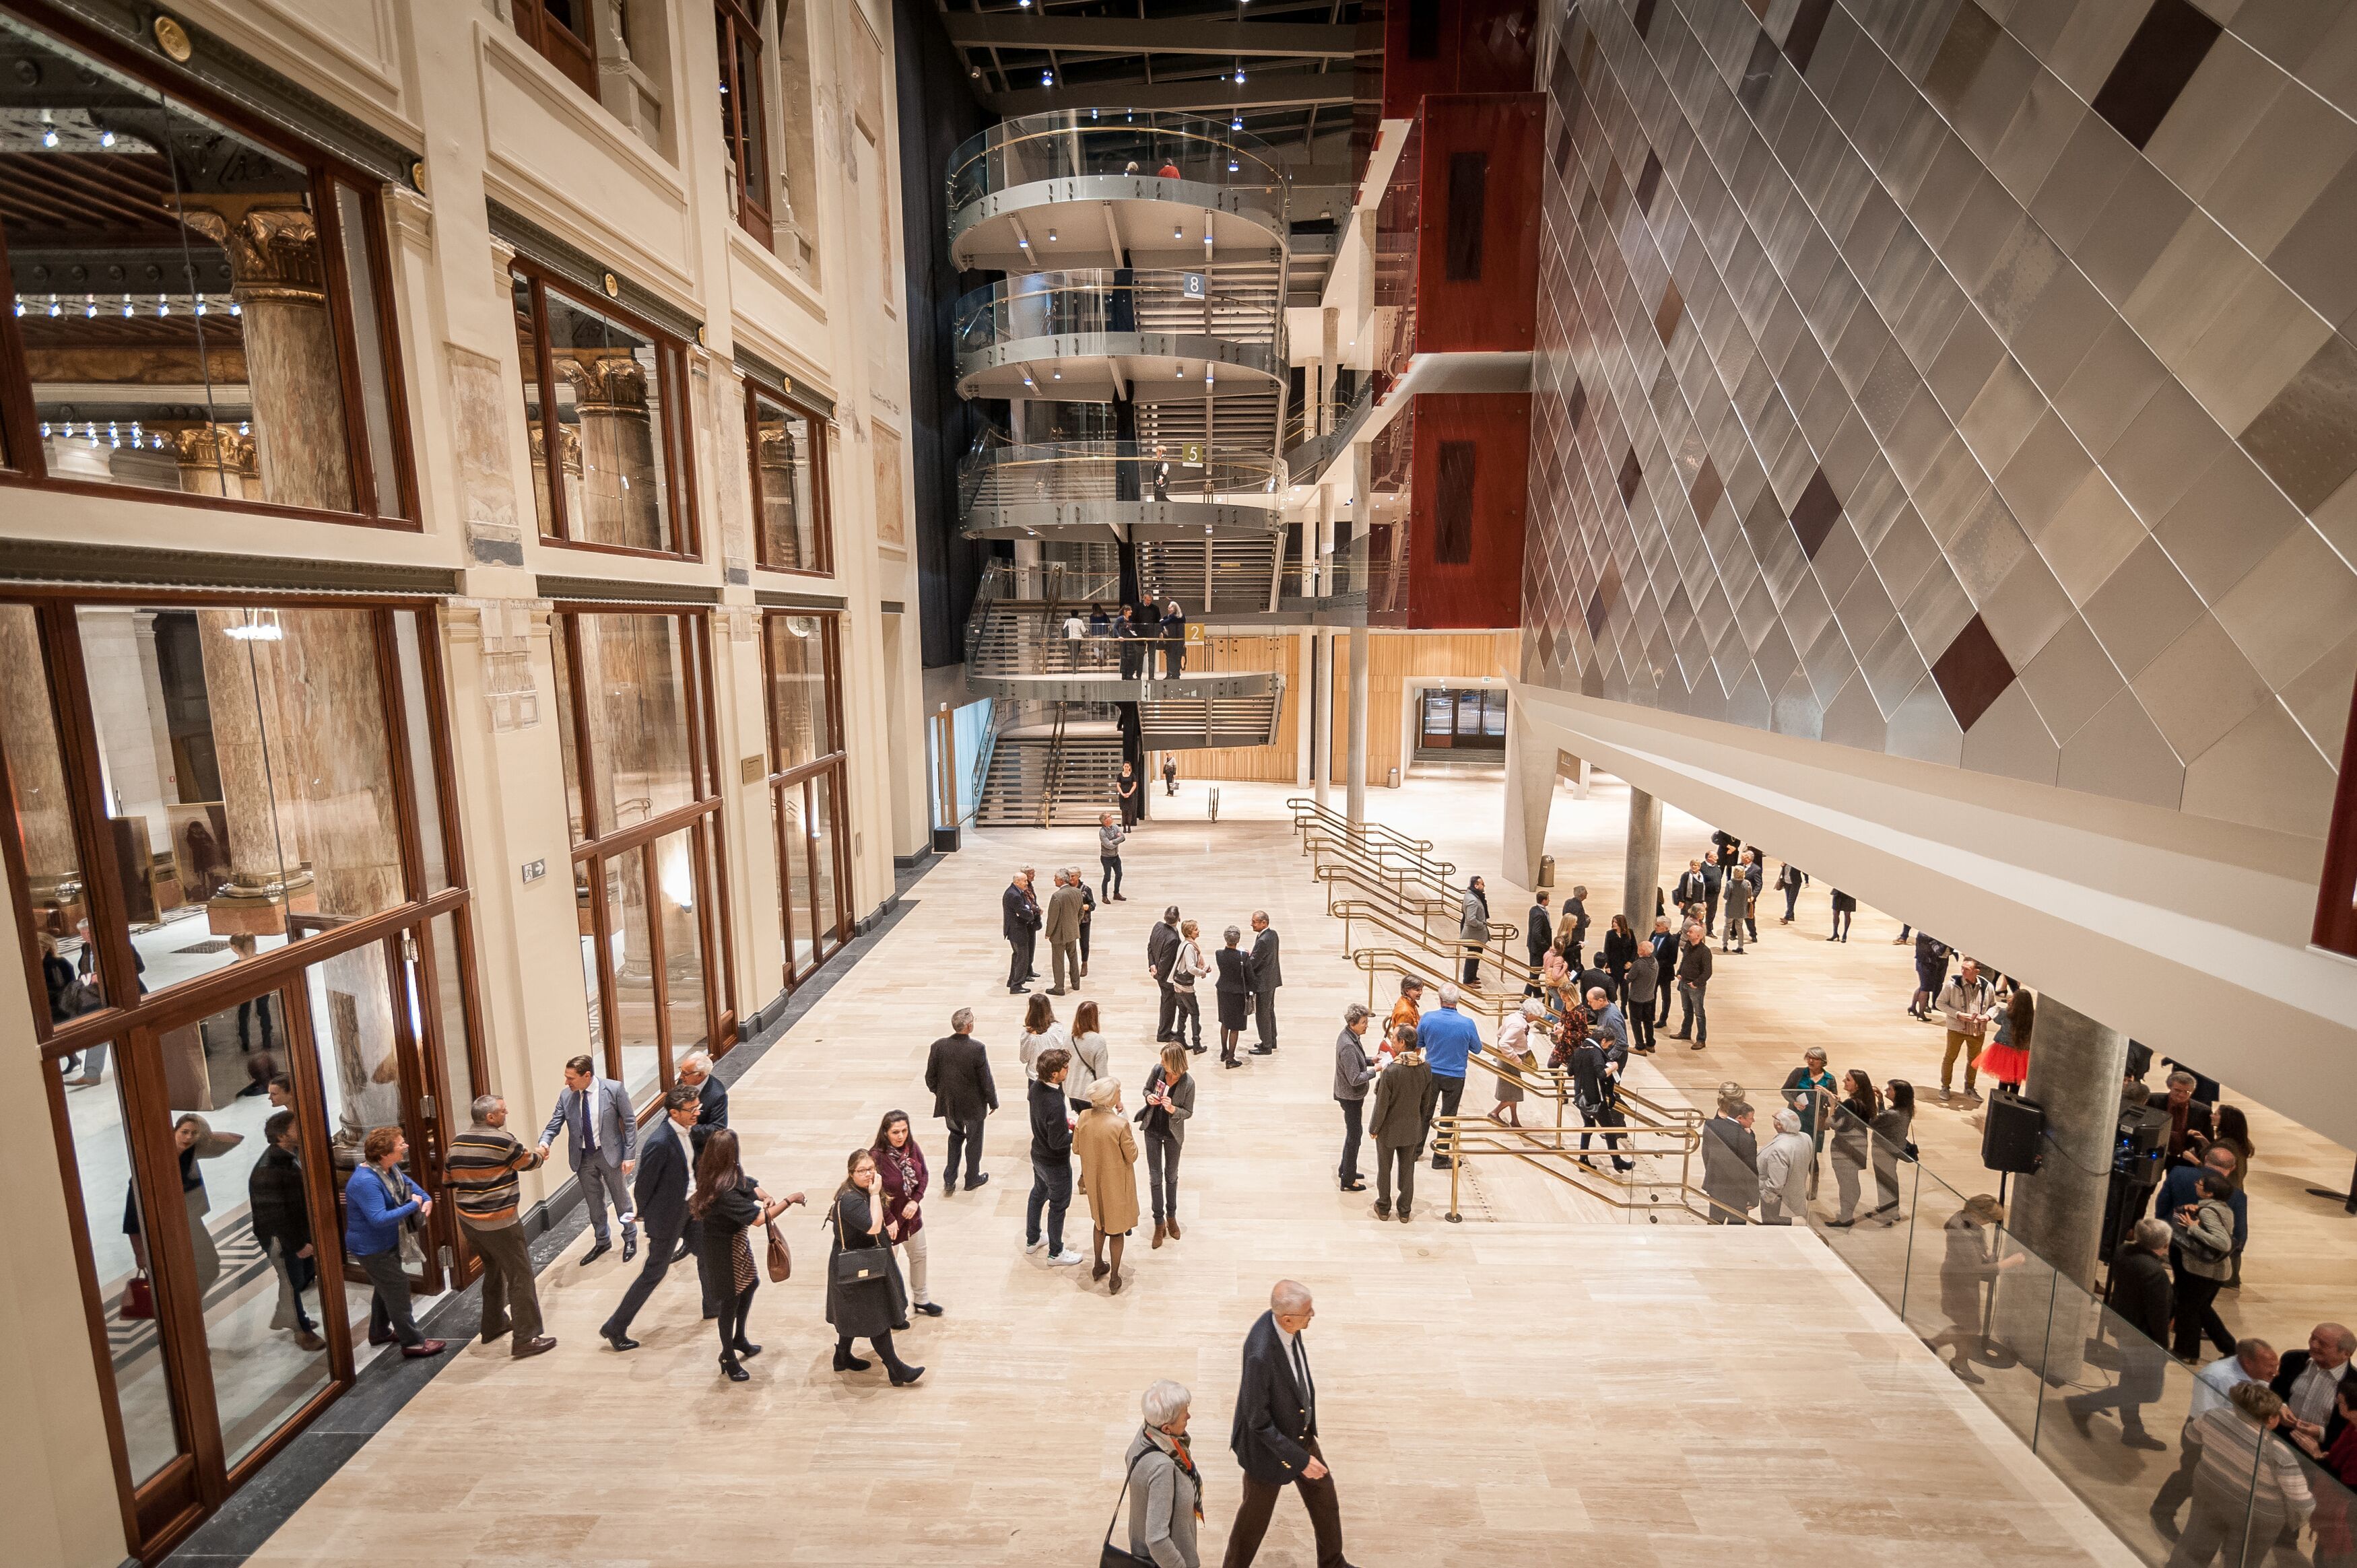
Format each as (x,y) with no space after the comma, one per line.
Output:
(1305,666)
(1321,729)
(1357,776)
(1642,878)
(1530,793)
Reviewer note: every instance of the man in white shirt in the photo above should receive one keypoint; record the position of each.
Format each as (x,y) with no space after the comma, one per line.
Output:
(2254,1360)
(1076,631)
(2309,1379)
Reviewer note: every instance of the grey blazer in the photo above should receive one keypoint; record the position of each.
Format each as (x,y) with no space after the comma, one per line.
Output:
(618,1129)
(1162,1500)
(1182,1105)
(1352,1071)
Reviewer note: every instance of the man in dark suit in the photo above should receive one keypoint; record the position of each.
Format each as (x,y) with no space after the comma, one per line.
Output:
(1275,1432)
(601,1138)
(665,1177)
(2309,1382)
(1713,877)
(1019,923)
(2143,1298)
(957,1069)
(1693,887)
(711,1094)
(1731,1163)
(1162,944)
(1539,932)
(1261,965)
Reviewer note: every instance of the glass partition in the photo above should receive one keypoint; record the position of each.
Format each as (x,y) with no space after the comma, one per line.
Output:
(789,471)
(1067,471)
(1052,304)
(1143,144)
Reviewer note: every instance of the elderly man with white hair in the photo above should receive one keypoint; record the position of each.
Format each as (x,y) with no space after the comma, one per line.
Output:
(1784,1172)
(711,1094)
(1448,1039)
(1164,1488)
(1276,1432)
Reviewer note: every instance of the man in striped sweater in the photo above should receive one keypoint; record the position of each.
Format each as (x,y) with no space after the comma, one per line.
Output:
(479,1174)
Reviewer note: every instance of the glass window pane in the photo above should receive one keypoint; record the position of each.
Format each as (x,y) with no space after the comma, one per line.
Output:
(360,284)
(248,1210)
(680,895)
(750,117)
(111,1214)
(34,796)
(416,703)
(798,729)
(562,659)
(528,358)
(589,967)
(609,396)
(634,677)
(793,848)
(630,952)
(821,837)
(790,524)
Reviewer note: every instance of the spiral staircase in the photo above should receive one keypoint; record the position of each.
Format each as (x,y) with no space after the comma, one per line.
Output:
(1145,258)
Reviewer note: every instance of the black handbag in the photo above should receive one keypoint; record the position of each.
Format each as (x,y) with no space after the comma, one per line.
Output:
(1117,1556)
(856,1265)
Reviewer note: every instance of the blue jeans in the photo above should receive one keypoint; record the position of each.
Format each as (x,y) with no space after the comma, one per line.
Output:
(1691,1016)
(1051,1185)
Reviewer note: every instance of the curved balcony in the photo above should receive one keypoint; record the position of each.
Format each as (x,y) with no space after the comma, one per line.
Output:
(1116,490)
(1090,188)
(1094,336)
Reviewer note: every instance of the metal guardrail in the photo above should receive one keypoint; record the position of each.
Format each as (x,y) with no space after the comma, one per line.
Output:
(1449,955)
(1307,810)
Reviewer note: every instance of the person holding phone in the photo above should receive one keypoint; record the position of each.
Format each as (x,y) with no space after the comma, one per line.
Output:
(865,1309)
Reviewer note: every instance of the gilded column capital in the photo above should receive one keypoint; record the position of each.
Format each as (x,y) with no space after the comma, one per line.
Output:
(274,249)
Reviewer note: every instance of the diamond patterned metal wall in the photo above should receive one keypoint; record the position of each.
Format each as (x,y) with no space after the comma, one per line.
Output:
(1965,379)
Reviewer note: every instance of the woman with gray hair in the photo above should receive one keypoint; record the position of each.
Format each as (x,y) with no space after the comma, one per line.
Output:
(1235,994)
(1108,1156)
(1784,1171)
(1164,1488)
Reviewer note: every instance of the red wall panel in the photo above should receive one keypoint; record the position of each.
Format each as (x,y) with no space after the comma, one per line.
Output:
(1455,46)
(1494,139)
(1483,592)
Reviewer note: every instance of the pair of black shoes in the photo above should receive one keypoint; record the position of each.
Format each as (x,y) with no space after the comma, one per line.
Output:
(949,1187)
(733,1359)
(1264,1051)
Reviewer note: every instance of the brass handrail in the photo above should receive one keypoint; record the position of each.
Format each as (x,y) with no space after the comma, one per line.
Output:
(1445,948)
(1492,1005)
(1376,870)
(1306,810)
(1458,1137)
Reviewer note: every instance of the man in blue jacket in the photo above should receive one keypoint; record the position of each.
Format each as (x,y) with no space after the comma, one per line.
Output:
(377,1199)
(1448,1038)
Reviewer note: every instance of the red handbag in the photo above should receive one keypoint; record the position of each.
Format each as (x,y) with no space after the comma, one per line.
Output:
(138,1300)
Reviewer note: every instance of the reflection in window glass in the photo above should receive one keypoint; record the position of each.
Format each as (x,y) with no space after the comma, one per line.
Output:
(207,360)
(449,1005)
(113,1218)
(528,355)
(793,848)
(588,929)
(821,846)
(37,801)
(799,724)
(368,337)
(791,537)
(561,658)
(631,949)
(680,909)
(609,398)
(409,627)
(633,677)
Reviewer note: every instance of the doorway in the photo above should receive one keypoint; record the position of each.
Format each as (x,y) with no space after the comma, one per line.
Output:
(1459,724)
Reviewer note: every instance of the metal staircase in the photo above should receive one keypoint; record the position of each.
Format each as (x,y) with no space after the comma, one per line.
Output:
(1215,577)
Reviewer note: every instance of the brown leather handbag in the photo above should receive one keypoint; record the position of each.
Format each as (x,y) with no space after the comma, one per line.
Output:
(781,1262)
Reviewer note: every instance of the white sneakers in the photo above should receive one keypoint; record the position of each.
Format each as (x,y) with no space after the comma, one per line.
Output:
(1066,1258)
(1035,1246)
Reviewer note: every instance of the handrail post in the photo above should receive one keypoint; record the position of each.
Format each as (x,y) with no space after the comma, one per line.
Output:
(1455,1165)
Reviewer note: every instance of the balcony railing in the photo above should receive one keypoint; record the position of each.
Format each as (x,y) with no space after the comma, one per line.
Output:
(1161,149)
(1091,300)
(1060,473)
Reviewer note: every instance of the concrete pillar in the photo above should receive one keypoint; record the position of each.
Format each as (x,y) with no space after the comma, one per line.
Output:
(1641,874)
(2057,1213)
(1357,775)
(1322,727)
(267,876)
(1580,779)
(1530,794)
(1305,661)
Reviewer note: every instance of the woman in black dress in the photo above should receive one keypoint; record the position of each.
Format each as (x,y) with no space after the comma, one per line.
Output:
(1620,952)
(1236,996)
(728,1203)
(1845,905)
(869,1308)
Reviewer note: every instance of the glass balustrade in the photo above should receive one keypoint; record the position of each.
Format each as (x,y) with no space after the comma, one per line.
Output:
(1163,151)
(1057,473)
(1100,300)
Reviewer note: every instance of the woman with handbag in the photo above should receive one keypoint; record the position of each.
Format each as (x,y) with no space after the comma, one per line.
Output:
(902,1165)
(1892,1128)
(726,1204)
(1108,1156)
(1190,966)
(1164,1488)
(865,1299)
(1169,1101)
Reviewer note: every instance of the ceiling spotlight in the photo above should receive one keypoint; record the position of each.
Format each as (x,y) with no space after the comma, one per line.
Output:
(1231,166)
(1047,79)
(106,138)
(1177,232)
(1052,236)
(1024,243)
(1240,76)
(1236,123)
(50,138)
(974,71)
(1058,375)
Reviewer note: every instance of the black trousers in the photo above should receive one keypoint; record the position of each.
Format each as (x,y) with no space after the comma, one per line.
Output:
(964,1137)
(2197,1313)
(1607,1116)
(1018,968)
(1162,1152)
(1191,1008)
(1710,914)
(1259,1502)
(1109,884)
(1640,1024)
(1166,1016)
(1355,1115)
(733,1312)
(1452,1089)
(1264,1016)
(653,1265)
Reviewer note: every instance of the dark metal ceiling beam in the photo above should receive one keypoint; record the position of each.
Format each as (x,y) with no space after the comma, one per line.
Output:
(1125,36)
(1263,90)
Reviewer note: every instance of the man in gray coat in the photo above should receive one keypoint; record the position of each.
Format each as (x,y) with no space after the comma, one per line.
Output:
(601,1142)
(1735,893)
(1353,1073)
(1261,965)
(1063,928)
(1473,928)
(1109,837)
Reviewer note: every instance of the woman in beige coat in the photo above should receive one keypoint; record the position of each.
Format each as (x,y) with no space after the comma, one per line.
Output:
(1108,1156)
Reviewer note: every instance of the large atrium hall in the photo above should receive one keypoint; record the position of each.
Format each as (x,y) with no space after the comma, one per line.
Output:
(1564,781)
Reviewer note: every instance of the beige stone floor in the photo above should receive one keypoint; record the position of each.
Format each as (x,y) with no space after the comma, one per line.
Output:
(1517,1388)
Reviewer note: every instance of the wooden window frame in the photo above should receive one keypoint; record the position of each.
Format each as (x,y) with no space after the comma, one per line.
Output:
(160,1512)
(574,56)
(23,461)
(702,814)
(830,764)
(745,117)
(681,516)
(821,506)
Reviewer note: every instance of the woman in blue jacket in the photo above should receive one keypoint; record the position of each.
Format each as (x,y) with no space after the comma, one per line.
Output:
(378,1200)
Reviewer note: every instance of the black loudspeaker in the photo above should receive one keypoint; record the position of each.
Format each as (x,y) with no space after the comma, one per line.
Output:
(2013,1133)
